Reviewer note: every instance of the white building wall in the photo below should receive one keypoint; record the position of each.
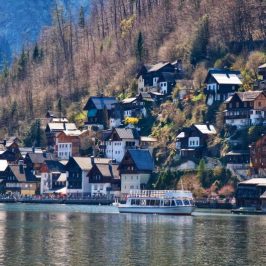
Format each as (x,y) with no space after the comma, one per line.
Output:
(44,183)
(114,123)
(117,149)
(256,116)
(133,181)
(97,188)
(64,150)
(163,87)
(237,122)
(193,142)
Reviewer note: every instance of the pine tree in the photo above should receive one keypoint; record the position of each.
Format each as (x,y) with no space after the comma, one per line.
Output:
(81,17)
(140,48)
(200,42)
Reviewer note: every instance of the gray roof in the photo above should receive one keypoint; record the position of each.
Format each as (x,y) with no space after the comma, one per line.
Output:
(61,126)
(127,133)
(262,66)
(39,157)
(101,101)
(85,162)
(248,96)
(158,66)
(206,129)
(142,159)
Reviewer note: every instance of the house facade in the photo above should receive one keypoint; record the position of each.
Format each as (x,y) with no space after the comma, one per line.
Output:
(99,110)
(119,141)
(221,84)
(20,179)
(105,180)
(192,141)
(159,77)
(77,169)
(67,144)
(135,170)
(53,128)
(247,108)
(53,176)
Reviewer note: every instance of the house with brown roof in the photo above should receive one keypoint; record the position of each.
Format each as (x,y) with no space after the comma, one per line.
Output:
(20,179)
(53,128)
(104,179)
(246,108)
(67,144)
(35,160)
(77,170)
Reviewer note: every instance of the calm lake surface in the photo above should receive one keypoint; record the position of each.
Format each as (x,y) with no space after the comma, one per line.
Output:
(97,235)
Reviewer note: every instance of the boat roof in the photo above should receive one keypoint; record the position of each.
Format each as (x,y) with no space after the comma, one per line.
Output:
(160,194)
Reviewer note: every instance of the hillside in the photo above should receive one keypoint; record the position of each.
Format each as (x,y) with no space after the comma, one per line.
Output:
(77,56)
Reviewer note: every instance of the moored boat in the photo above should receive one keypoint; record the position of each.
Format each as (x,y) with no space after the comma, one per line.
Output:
(174,202)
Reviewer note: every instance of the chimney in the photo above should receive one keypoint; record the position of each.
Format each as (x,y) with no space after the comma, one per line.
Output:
(92,160)
(33,148)
(208,125)
(4,142)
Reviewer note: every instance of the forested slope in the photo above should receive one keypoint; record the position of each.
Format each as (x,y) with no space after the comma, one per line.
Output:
(101,53)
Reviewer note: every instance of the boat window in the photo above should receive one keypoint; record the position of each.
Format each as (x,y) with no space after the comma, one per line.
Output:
(191,202)
(172,203)
(157,203)
(133,202)
(186,202)
(179,202)
(137,201)
(143,202)
(152,202)
(166,202)
(148,202)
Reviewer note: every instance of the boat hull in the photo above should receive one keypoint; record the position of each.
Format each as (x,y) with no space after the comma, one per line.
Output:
(177,210)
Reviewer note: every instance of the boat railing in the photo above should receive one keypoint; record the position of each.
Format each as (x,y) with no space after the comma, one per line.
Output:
(159,193)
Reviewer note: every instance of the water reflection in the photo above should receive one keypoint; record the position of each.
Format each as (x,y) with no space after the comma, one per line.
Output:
(79,238)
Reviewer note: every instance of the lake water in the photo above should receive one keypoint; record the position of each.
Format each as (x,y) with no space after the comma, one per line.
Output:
(98,235)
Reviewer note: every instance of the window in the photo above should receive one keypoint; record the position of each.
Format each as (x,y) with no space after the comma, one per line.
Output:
(259,104)
(179,203)
(167,202)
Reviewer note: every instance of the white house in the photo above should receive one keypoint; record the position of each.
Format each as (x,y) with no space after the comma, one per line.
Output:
(104,179)
(135,170)
(77,170)
(120,140)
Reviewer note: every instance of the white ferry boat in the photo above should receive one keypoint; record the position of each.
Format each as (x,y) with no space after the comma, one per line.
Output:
(174,202)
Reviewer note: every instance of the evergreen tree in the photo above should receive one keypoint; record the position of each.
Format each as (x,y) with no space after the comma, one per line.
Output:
(22,65)
(105,117)
(140,48)
(81,17)
(200,42)
(35,136)
(59,107)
